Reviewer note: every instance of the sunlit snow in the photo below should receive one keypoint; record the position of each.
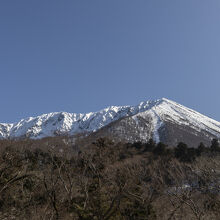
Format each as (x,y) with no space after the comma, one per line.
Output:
(70,123)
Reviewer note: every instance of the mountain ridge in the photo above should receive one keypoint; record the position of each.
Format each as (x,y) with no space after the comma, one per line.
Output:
(154,113)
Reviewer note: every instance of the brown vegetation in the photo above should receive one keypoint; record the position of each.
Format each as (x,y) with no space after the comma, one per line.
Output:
(50,179)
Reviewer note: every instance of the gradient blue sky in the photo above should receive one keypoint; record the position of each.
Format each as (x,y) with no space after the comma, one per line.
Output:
(84,55)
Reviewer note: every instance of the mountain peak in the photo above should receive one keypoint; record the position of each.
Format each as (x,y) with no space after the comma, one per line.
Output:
(155,114)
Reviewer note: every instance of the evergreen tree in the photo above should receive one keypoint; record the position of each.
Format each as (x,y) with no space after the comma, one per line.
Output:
(201,148)
(150,145)
(191,154)
(181,150)
(160,149)
(215,145)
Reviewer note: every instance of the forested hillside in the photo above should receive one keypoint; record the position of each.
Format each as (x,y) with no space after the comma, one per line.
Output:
(53,179)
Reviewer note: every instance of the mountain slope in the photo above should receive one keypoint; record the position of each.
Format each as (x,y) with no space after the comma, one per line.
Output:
(166,121)
(161,119)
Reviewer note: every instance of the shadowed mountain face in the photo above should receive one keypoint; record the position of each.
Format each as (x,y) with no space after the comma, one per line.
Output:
(166,121)
(163,120)
(169,133)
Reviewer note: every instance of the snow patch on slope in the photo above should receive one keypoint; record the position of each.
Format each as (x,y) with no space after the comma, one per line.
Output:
(159,111)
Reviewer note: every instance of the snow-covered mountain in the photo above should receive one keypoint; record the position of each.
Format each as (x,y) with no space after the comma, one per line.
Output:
(165,121)
(146,120)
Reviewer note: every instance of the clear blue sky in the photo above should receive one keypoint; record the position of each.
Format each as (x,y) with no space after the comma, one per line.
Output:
(84,55)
